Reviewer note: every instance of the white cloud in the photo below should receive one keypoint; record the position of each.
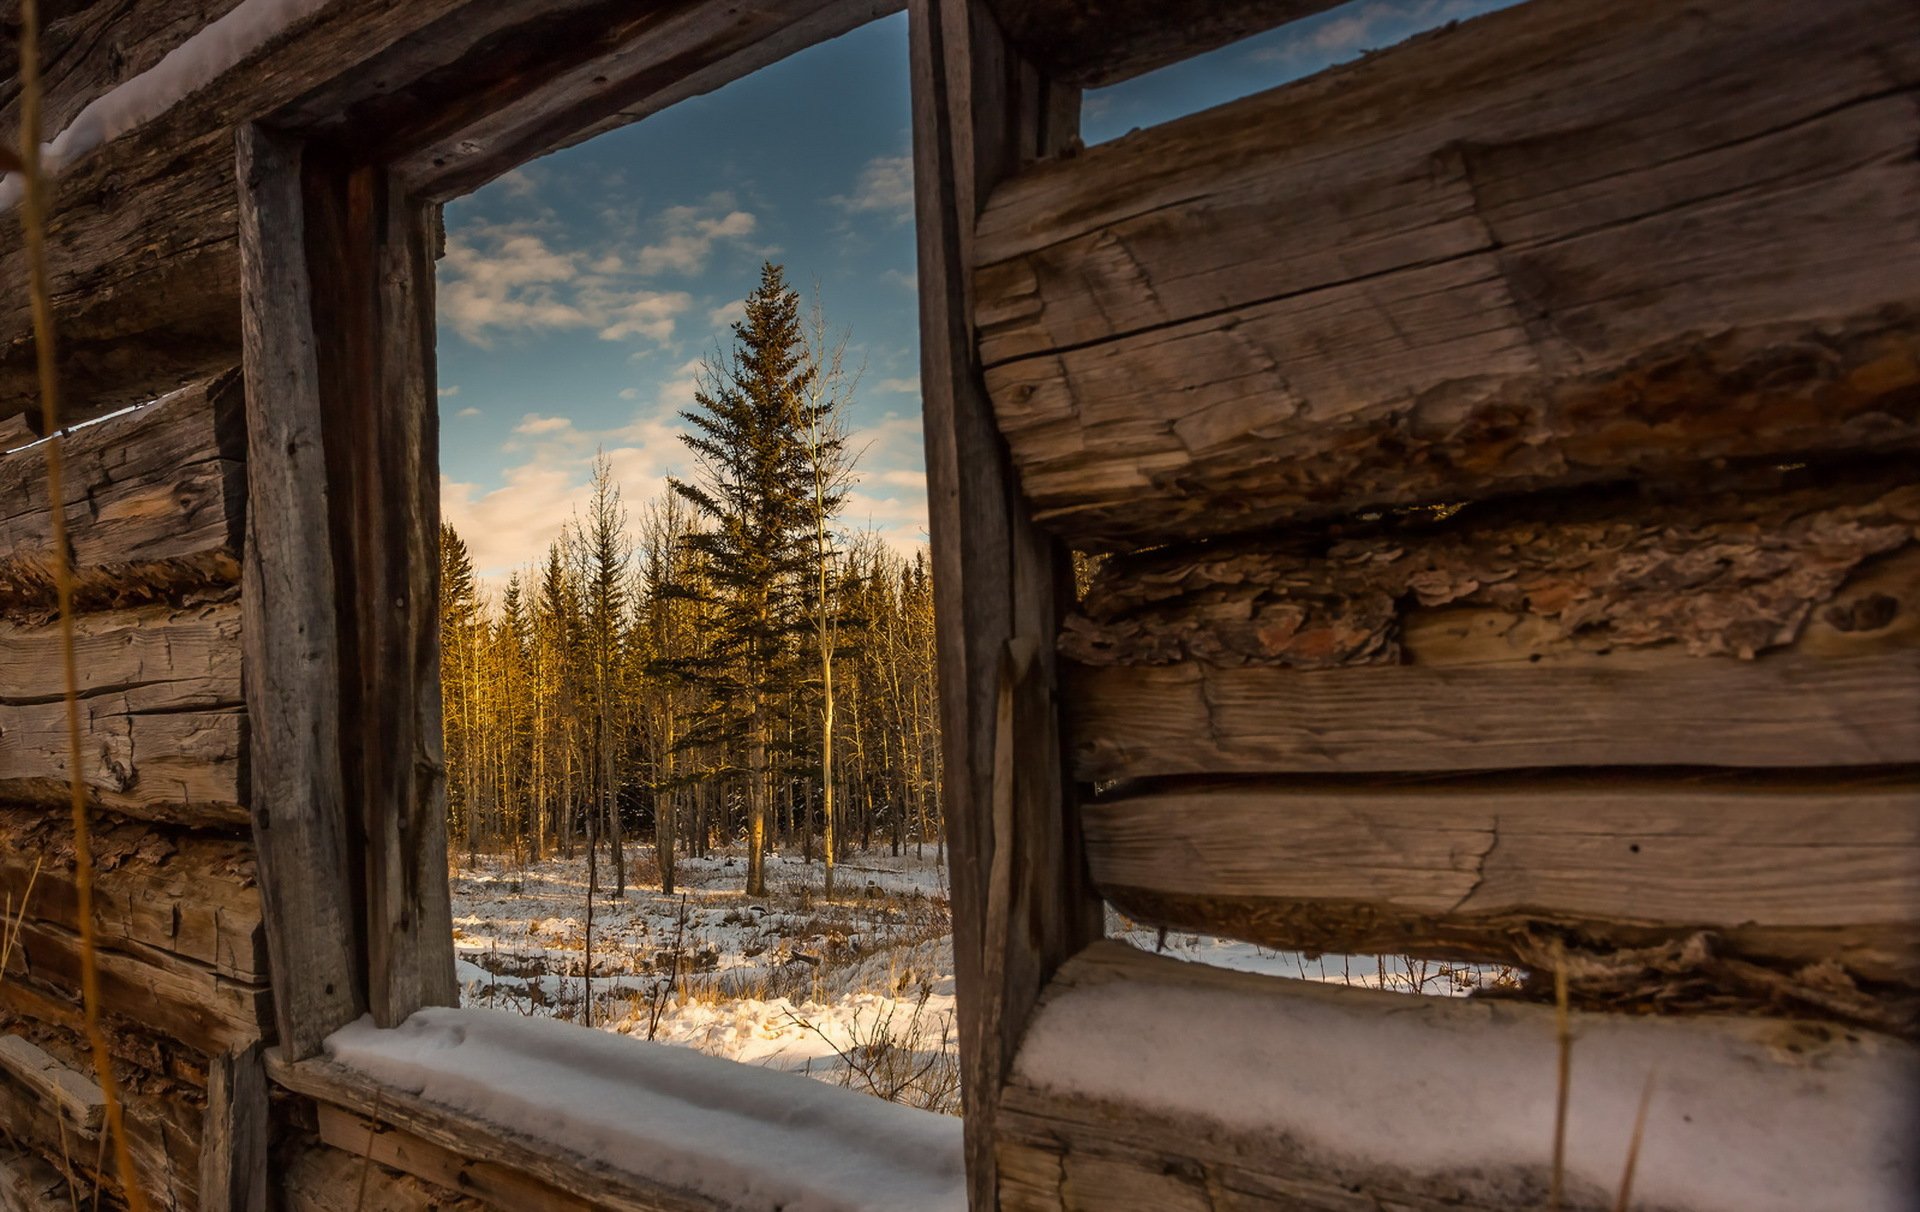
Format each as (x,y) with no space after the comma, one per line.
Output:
(885,187)
(534,423)
(727,314)
(909,387)
(905,278)
(447,393)
(1373,26)
(629,393)
(467,412)
(691,232)
(518,183)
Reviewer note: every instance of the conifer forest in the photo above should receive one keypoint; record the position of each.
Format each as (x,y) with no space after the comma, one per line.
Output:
(711,661)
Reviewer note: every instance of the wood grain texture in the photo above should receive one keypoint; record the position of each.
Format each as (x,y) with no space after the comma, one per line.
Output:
(187,893)
(1092,45)
(292,680)
(1476,263)
(30,1183)
(315,1177)
(390,1145)
(1093,1143)
(1785,873)
(233,1149)
(594,1183)
(77,1098)
(1020,904)
(155,503)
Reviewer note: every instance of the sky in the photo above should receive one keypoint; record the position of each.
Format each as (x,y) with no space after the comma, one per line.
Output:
(579,292)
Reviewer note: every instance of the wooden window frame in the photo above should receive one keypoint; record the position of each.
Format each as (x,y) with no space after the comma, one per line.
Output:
(339,198)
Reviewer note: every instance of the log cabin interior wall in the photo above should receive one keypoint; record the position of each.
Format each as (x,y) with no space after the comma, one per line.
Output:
(1500,448)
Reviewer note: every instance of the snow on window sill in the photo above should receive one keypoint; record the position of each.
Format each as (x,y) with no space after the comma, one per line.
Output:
(612,1119)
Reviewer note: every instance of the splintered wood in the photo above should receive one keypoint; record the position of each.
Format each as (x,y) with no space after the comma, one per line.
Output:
(1559,244)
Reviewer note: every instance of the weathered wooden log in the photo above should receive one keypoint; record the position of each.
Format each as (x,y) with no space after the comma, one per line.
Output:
(155,503)
(1781,874)
(178,997)
(163,731)
(191,894)
(70,1092)
(1094,45)
(1146,1083)
(233,1149)
(1734,575)
(1558,244)
(500,1186)
(1560,640)
(30,1183)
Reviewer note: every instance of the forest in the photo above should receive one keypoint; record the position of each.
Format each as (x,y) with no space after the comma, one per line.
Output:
(726,664)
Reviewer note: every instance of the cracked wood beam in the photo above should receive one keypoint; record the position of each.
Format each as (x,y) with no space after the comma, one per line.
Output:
(1782,874)
(154,503)
(163,727)
(1558,244)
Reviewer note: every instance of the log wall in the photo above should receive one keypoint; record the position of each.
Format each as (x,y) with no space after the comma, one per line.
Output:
(1500,451)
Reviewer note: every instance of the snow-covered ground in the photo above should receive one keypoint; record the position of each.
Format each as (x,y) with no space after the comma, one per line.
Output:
(857,990)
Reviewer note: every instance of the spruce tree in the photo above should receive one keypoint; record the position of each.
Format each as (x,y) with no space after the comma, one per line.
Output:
(753,487)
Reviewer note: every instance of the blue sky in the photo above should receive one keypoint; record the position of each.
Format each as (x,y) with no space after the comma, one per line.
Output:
(579,292)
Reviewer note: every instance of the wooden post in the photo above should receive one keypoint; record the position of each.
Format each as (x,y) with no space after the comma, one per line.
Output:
(292,665)
(1021,900)
(233,1148)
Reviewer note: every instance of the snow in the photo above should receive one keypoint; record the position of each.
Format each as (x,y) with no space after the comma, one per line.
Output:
(738,1134)
(1745,1115)
(857,991)
(195,63)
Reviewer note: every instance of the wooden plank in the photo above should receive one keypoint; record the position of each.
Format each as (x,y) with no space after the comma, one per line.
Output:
(1349,1100)
(233,1150)
(172,995)
(77,1098)
(1143,721)
(145,757)
(1555,245)
(594,1182)
(1092,46)
(291,635)
(394,1146)
(164,1155)
(155,502)
(1020,906)
(187,893)
(1784,872)
(314,1177)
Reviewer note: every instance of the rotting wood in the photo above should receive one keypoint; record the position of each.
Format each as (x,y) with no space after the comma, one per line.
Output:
(75,1096)
(1784,874)
(190,894)
(1345,292)
(29,1183)
(233,1149)
(1095,1145)
(1735,574)
(1020,903)
(155,502)
(582,1177)
(394,1146)
(1096,45)
(289,629)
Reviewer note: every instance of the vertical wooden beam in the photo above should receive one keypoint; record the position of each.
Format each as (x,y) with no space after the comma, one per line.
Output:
(233,1148)
(288,624)
(1021,898)
(409,916)
(372,271)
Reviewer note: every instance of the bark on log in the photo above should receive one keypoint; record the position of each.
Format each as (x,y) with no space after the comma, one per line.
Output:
(1734,575)
(190,894)
(155,503)
(1558,244)
(1279,1121)
(1785,875)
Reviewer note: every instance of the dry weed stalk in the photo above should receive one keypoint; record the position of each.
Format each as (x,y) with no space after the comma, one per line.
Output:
(1563,1032)
(33,222)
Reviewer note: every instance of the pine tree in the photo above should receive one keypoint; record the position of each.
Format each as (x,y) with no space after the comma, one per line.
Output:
(752,488)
